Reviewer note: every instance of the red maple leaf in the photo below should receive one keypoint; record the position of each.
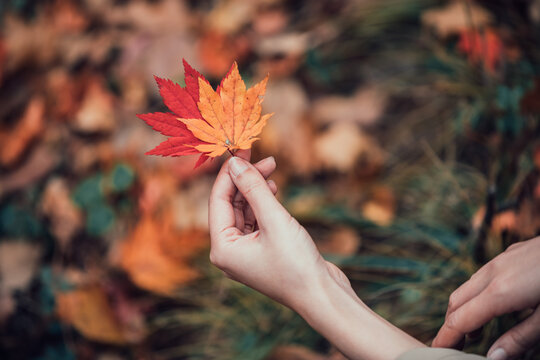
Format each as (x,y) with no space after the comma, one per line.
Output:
(208,122)
(182,102)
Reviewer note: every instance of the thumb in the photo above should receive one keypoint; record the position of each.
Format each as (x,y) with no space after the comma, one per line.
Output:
(254,187)
(518,339)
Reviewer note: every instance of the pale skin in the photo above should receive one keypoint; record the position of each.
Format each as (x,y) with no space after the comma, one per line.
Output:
(255,241)
(510,282)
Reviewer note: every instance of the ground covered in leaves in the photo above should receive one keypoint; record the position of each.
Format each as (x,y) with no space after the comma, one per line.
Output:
(405,132)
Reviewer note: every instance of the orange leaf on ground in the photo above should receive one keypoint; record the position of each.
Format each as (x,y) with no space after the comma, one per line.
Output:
(155,256)
(88,310)
(15,143)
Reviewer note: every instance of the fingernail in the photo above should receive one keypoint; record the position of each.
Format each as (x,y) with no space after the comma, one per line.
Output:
(498,354)
(237,166)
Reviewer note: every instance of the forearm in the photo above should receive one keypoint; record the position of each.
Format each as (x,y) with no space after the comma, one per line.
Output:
(359,333)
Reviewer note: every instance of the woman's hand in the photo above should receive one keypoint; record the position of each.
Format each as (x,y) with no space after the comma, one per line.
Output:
(255,241)
(510,282)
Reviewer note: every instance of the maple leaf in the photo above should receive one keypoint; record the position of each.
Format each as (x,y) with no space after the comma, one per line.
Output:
(208,122)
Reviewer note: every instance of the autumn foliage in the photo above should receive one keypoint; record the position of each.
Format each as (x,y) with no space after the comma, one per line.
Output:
(204,121)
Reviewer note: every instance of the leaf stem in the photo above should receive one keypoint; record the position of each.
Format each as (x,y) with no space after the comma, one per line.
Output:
(230,152)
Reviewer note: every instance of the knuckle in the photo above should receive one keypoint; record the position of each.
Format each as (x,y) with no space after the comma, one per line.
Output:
(498,292)
(252,188)
(452,301)
(498,288)
(452,322)
(216,258)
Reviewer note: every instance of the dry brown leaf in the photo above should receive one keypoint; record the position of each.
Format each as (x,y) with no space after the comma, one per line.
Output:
(40,163)
(218,51)
(67,17)
(341,241)
(229,16)
(270,20)
(88,310)
(341,146)
(528,219)
(291,44)
(381,207)
(96,113)
(166,16)
(65,218)
(34,42)
(288,135)
(187,208)
(63,93)
(504,221)
(18,264)
(455,17)
(25,132)
(365,107)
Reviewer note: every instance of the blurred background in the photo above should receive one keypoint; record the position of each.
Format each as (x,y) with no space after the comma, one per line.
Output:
(407,138)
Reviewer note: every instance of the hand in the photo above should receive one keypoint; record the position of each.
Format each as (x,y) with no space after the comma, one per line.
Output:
(255,241)
(510,282)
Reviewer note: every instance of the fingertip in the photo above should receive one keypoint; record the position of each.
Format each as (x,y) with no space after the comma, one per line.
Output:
(237,166)
(447,338)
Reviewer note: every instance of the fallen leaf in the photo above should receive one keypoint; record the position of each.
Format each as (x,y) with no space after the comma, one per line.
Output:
(207,121)
(381,207)
(504,221)
(167,16)
(343,144)
(341,241)
(39,164)
(65,218)
(18,264)
(289,134)
(484,47)
(270,20)
(27,129)
(217,50)
(365,107)
(455,17)
(230,16)
(155,255)
(187,208)
(88,310)
(63,92)
(67,17)
(96,113)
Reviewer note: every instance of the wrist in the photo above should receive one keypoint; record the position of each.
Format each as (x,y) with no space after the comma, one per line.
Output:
(333,309)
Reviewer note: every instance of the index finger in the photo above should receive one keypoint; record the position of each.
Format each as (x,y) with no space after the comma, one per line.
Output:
(220,210)
(467,318)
